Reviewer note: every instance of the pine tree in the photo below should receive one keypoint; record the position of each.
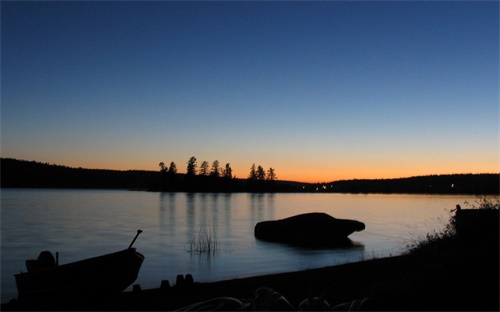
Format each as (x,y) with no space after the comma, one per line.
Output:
(204,168)
(215,172)
(191,167)
(227,172)
(271,175)
(253,173)
(172,169)
(261,174)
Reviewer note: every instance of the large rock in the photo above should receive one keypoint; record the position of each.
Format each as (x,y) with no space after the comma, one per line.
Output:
(309,229)
(477,224)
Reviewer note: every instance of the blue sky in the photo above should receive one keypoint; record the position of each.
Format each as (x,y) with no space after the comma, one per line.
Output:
(317,90)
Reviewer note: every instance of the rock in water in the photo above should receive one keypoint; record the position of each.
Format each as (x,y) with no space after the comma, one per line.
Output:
(309,229)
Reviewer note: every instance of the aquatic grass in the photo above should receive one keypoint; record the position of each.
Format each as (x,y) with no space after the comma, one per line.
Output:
(204,243)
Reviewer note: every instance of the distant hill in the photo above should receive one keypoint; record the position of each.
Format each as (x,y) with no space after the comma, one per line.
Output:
(31,174)
(479,184)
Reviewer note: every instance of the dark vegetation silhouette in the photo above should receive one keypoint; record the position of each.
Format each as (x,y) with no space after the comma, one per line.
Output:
(206,178)
(31,174)
(474,184)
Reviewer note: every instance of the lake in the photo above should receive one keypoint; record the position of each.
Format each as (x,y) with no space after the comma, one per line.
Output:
(86,223)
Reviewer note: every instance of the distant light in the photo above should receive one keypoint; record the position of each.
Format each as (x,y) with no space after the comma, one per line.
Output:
(453,185)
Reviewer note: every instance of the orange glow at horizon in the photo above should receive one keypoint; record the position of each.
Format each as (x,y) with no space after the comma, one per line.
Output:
(307,174)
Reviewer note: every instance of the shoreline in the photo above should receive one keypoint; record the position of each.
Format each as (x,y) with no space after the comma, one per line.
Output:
(454,270)
(294,285)
(406,282)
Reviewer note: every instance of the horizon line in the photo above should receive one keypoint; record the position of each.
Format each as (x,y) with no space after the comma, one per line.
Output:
(323,182)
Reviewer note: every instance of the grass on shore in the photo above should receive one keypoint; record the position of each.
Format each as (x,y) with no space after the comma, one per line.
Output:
(450,270)
(448,236)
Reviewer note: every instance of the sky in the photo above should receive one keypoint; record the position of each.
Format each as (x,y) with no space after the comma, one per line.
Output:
(319,91)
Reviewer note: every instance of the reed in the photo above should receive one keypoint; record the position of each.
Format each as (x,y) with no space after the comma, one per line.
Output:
(204,243)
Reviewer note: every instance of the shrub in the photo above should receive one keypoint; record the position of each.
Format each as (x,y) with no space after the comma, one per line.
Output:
(484,202)
(448,236)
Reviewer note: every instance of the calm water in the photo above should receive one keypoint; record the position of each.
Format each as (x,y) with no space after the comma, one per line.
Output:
(86,223)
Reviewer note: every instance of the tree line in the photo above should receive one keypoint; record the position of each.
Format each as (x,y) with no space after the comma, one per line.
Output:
(206,177)
(473,184)
(256,172)
(31,174)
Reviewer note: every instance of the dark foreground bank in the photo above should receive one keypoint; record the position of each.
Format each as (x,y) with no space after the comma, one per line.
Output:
(456,275)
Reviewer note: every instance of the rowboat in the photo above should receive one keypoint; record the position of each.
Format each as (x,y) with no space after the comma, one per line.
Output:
(309,229)
(107,274)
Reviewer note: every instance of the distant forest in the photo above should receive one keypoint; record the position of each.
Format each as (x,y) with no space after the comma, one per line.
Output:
(31,174)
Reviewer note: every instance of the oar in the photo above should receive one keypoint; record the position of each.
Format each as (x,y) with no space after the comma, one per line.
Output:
(138,232)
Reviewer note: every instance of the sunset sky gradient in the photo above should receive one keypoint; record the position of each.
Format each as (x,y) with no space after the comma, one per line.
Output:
(319,91)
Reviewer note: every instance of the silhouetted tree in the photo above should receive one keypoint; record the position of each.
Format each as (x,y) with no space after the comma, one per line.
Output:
(227,172)
(172,169)
(261,174)
(253,173)
(271,175)
(162,167)
(191,167)
(204,168)
(215,172)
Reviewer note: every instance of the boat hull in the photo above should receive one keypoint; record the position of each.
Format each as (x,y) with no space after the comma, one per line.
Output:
(103,275)
(310,229)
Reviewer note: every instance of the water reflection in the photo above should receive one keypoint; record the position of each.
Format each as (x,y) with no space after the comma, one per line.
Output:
(167,213)
(262,206)
(190,213)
